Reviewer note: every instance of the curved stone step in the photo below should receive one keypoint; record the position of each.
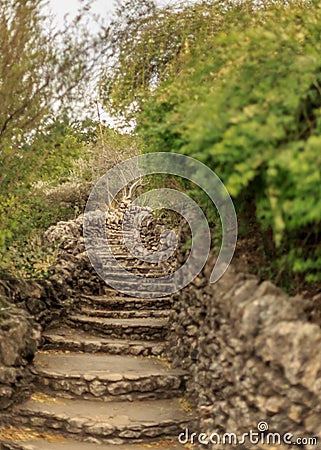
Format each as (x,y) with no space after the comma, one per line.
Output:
(133,266)
(147,287)
(149,329)
(67,444)
(131,261)
(118,302)
(127,314)
(106,422)
(106,377)
(71,339)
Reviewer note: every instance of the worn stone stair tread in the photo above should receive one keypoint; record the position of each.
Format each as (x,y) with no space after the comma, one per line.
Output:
(102,366)
(136,264)
(85,336)
(119,302)
(120,255)
(117,296)
(150,279)
(148,323)
(142,328)
(119,415)
(130,313)
(75,339)
(41,444)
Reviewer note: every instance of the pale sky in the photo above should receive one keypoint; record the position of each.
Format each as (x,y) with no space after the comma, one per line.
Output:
(103,8)
(60,8)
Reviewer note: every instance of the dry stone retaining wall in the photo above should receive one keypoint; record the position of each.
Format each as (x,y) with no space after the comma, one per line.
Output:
(26,306)
(19,337)
(73,270)
(253,354)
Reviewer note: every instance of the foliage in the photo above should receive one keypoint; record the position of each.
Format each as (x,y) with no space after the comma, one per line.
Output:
(129,19)
(32,258)
(40,67)
(49,156)
(241,94)
(42,72)
(76,155)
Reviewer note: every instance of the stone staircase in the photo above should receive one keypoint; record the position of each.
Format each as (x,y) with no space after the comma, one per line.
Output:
(101,381)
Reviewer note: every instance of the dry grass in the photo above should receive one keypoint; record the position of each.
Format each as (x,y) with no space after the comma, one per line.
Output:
(26,434)
(185,405)
(40,397)
(163,444)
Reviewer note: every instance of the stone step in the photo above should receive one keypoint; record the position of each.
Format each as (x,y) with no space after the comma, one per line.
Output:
(146,287)
(123,232)
(124,303)
(125,257)
(106,377)
(141,269)
(76,340)
(119,238)
(127,314)
(142,329)
(119,252)
(106,422)
(67,444)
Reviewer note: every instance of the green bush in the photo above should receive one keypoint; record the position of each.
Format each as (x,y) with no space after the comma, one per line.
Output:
(49,155)
(245,99)
(43,72)
(73,157)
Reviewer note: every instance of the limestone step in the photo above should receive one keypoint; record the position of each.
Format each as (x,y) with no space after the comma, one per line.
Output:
(70,339)
(67,444)
(149,329)
(106,422)
(140,268)
(145,288)
(106,377)
(135,265)
(127,314)
(128,259)
(125,257)
(124,303)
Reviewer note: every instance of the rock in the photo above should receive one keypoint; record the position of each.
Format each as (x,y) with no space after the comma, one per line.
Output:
(251,354)
(96,388)
(6,394)
(19,337)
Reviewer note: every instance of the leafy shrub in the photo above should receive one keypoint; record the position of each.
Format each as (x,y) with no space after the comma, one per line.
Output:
(43,72)
(32,258)
(244,98)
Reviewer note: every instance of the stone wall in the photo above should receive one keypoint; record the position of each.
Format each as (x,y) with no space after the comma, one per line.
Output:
(253,355)
(74,272)
(43,299)
(26,306)
(19,337)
